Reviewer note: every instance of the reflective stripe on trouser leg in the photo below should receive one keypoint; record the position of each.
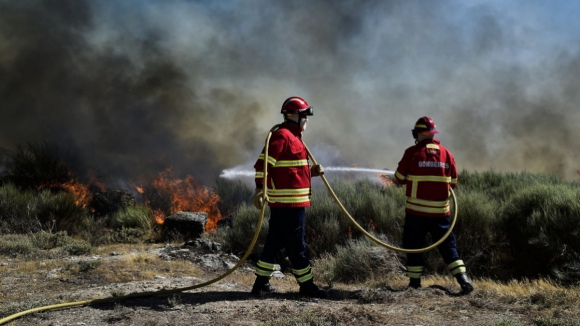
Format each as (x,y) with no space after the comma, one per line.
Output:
(457,267)
(414,271)
(303,275)
(264,269)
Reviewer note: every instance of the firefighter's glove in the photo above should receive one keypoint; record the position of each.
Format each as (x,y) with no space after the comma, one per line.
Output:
(258,200)
(316,170)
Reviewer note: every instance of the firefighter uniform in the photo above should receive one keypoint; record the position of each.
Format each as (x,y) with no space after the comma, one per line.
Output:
(289,191)
(428,170)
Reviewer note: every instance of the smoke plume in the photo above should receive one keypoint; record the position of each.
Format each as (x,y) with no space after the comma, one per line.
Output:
(137,86)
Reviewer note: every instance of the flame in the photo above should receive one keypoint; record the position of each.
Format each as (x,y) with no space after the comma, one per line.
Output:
(81,192)
(167,195)
(386,180)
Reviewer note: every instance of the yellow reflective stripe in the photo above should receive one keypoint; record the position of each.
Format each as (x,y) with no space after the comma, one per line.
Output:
(289,192)
(427,209)
(428,202)
(434,146)
(291,163)
(420,126)
(399,176)
(304,278)
(301,271)
(289,200)
(414,275)
(458,270)
(259,175)
(415,268)
(271,160)
(261,157)
(454,180)
(454,264)
(262,272)
(265,265)
(414,189)
(433,178)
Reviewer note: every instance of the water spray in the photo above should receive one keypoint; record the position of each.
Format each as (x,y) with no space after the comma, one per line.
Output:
(236,173)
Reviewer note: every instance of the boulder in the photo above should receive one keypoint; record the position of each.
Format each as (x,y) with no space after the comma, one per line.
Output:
(186,225)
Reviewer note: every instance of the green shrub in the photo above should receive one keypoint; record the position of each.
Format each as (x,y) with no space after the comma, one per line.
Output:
(475,231)
(24,211)
(510,225)
(232,193)
(42,245)
(136,217)
(238,237)
(358,260)
(61,211)
(16,245)
(540,224)
(374,207)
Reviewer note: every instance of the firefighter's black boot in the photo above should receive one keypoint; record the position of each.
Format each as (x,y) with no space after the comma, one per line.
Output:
(465,283)
(415,283)
(262,285)
(310,289)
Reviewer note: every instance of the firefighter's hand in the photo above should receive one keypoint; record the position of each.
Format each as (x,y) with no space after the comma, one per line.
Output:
(316,170)
(258,200)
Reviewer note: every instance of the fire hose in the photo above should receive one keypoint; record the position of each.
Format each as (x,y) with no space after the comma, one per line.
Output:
(248,251)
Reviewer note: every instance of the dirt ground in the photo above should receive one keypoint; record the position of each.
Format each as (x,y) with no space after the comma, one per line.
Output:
(228,302)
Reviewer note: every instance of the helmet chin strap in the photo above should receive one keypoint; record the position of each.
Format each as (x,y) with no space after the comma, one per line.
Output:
(298,123)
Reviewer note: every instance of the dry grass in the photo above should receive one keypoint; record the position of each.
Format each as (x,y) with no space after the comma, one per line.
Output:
(116,266)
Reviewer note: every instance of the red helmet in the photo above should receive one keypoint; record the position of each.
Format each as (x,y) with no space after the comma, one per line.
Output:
(296,104)
(424,125)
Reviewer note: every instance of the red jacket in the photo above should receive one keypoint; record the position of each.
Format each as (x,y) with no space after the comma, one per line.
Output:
(288,168)
(428,169)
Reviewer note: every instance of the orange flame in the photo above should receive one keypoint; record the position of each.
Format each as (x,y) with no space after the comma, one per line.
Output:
(386,180)
(80,191)
(184,195)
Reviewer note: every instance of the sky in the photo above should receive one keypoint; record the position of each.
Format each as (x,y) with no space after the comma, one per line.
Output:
(134,87)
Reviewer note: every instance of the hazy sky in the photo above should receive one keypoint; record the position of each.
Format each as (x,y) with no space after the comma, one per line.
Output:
(137,86)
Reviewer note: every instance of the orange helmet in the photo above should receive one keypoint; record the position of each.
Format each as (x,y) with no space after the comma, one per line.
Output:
(294,105)
(424,125)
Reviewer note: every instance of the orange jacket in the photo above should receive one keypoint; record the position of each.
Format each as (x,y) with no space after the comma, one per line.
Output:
(428,169)
(288,168)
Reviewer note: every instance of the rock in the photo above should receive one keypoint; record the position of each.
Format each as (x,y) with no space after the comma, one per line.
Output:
(188,225)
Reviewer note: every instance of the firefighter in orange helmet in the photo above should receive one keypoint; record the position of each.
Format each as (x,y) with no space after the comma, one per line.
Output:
(289,190)
(428,170)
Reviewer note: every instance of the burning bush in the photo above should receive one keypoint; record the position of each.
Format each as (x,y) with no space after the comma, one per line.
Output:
(38,167)
(167,195)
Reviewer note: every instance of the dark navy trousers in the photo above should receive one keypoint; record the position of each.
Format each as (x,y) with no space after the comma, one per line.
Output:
(415,231)
(287,230)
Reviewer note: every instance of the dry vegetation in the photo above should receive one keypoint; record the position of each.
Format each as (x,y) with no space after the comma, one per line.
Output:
(381,300)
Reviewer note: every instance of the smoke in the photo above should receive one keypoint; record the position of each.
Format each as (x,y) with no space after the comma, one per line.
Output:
(138,86)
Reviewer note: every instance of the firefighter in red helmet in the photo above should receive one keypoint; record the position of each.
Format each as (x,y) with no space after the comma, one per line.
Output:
(428,170)
(289,190)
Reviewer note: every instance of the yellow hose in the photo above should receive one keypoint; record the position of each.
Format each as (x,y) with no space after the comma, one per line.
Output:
(376,240)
